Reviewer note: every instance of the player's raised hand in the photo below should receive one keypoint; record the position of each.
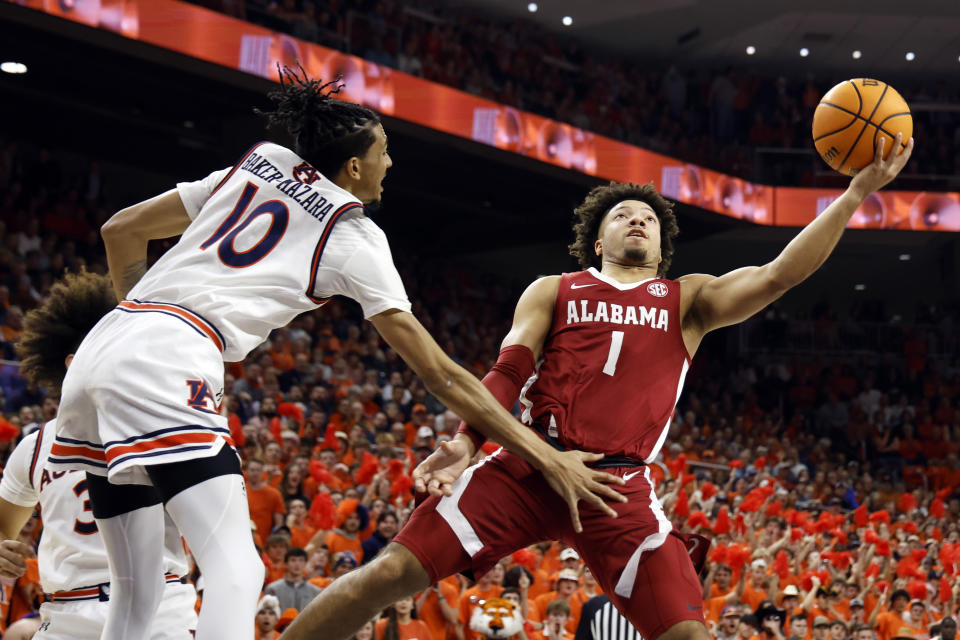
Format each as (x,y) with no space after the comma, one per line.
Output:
(568,474)
(437,473)
(880,172)
(13,558)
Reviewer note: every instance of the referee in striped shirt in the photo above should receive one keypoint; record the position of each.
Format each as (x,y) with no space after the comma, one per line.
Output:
(600,620)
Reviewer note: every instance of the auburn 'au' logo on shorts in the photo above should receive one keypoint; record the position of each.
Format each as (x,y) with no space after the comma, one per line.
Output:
(200,397)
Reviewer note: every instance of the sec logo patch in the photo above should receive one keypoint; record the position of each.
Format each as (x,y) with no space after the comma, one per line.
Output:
(657,289)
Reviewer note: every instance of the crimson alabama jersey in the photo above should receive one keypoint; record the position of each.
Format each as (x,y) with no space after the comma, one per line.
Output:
(612,367)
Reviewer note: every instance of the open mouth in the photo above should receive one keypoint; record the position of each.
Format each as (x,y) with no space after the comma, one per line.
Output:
(637,234)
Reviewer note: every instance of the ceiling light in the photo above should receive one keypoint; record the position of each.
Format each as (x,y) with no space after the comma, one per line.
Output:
(910,56)
(856,54)
(804,52)
(859,287)
(904,257)
(13,67)
(751,50)
(532,7)
(567,21)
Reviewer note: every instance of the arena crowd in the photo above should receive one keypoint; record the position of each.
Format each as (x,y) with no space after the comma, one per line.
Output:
(713,117)
(829,482)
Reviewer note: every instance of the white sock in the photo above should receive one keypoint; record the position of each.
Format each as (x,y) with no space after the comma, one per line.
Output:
(214,518)
(134,542)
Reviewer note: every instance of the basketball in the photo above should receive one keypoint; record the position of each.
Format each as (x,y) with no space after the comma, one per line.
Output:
(851,118)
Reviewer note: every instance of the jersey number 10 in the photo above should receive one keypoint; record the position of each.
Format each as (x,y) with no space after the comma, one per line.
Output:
(229,229)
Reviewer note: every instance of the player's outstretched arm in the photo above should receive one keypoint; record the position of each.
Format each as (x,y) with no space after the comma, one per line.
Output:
(14,515)
(531,323)
(467,397)
(737,295)
(127,232)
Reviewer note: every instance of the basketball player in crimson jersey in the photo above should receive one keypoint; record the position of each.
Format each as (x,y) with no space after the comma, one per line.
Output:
(597,359)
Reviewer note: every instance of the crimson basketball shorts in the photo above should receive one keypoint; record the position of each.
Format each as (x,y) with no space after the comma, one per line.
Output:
(502,504)
(143,388)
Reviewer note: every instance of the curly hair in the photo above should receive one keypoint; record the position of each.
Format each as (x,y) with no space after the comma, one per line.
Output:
(599,202)
(54,330)
(327,132)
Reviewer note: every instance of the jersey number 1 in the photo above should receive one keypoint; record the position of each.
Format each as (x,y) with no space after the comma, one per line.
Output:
(228,231)
(616,343)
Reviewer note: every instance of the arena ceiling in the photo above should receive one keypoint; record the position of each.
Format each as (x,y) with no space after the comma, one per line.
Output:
(703,32)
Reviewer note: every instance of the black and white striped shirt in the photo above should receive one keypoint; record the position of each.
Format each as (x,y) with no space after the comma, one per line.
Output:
(600,620)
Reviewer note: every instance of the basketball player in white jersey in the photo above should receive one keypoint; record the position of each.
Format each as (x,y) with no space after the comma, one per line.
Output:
(270,238)
(72,559)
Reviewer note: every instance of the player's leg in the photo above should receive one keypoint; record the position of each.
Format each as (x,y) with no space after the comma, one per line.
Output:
(176,618)
(130,520)
(643,568)
(207,501)
(497,507)
(350,601)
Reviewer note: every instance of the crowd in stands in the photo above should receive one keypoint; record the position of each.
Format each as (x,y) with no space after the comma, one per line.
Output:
(712,117)
(830,487)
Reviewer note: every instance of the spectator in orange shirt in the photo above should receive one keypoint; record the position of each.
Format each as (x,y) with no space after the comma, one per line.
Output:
(275,550)
(13,327)
(568,581)
(402,624)
(418,419)
(758,586)
(268,613)
(722,581)
(266,505)
(889,622)
(352,517)
(556,626)
(300,530)
(438,607)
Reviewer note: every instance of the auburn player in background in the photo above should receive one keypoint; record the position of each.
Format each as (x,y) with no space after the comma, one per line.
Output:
(597,359)
(72,559)
(261,242)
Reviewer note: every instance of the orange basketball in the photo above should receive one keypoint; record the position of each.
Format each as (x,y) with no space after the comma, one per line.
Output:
(851,118)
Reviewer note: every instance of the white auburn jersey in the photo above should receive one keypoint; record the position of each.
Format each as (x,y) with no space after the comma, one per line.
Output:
(270,239)
(71,553)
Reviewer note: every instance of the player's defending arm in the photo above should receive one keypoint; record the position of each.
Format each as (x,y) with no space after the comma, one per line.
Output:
(127,232)
(735,296)
(14,515)
(465,395)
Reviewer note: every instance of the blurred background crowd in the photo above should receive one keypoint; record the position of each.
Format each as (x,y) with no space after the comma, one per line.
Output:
(750,123)
(824,466)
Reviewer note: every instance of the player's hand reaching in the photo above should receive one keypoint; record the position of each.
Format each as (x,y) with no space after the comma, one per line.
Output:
(568,475)
(437,473)
(13,558)
(880,172)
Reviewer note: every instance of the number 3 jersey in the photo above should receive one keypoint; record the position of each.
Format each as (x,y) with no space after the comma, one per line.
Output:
(612,368)
(270,239)
(71,552)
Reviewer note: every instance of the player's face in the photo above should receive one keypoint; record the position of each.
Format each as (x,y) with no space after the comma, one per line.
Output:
(630,235)
(373,168)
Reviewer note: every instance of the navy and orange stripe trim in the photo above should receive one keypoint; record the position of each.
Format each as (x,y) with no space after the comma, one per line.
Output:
(237,165)
(321,243)
(197,322)
(93,592)
(36,453)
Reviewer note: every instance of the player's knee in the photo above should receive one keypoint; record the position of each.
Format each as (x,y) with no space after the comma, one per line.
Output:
(245,572)
(399,571)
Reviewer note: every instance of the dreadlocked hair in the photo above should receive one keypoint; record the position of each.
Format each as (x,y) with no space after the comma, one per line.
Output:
(54,330)
(326,132)
(601,200)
